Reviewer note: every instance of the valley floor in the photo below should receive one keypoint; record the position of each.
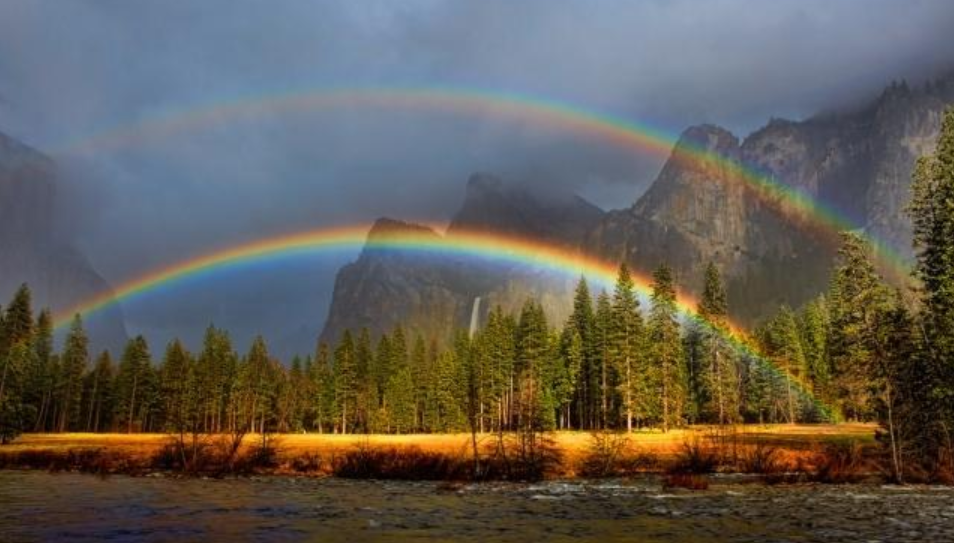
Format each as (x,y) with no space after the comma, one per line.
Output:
(793,445)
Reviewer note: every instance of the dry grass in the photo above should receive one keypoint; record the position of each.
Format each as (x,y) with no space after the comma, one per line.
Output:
(794,447)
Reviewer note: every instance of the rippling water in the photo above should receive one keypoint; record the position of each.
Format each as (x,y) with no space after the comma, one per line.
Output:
(38,506)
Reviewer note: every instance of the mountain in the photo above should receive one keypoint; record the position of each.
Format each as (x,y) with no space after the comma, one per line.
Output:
(700,211)
(435,292)
(31,251)
(858,161)
(492,205)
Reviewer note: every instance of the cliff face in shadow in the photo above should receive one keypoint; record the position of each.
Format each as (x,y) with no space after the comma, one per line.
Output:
(32,252)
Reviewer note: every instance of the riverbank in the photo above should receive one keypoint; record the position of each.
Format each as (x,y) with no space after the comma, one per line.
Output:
(777,452)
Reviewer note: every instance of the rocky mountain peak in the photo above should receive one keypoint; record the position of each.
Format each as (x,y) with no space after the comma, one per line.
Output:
(539,210)
(709,138)
(386,227)
(482,183)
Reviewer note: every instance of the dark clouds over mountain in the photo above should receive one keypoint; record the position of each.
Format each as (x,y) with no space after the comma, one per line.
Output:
(69,70)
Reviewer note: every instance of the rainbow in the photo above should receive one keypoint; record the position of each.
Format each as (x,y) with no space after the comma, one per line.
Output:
(491,246)
(479,103)
(480,244)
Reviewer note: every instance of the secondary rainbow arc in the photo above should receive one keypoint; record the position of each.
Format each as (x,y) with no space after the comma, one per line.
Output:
(476,102)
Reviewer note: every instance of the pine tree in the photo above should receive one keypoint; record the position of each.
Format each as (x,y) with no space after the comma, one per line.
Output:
(296,395)
(815,338)
(781,342)
(216,369)
(666,350)
(583,320)
(497,367)
(450,412)
(41,378)
(177,384)
(571,359)
(399,392)
(18,320)
(259,382)
(422,373)
(894,389)
(16,357)
(366,393)
(323,388)
(717,360)
(132,385)
(603,341)
(73,365)
(932,214)
(627,344)
(535,399)
(345,378)
(858,298)
(99,403)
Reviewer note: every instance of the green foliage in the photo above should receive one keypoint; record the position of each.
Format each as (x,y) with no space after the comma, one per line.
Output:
(73,365)
(932,214)
(134,386)
(857,300)
(626,345)
(714,363)
(667,375)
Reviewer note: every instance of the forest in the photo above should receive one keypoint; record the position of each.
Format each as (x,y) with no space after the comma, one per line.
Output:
(865,350)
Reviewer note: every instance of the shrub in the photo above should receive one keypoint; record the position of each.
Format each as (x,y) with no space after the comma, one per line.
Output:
(408,463)
(696,457)
(839,463)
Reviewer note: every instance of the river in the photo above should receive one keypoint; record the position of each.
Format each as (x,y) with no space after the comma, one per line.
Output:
(40,506)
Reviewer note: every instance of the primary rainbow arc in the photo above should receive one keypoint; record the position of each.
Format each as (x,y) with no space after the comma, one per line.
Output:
(498,247)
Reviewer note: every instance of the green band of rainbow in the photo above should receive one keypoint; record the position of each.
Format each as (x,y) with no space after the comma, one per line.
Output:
(624,133)
(498,247)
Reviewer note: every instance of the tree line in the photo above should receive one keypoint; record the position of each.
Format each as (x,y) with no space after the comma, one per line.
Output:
(862,351)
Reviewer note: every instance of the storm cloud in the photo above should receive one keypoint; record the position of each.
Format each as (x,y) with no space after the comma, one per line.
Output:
(72,69)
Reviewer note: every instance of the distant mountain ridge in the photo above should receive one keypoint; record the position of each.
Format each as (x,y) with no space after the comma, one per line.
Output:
(435,293)
(32,252)
(859,162)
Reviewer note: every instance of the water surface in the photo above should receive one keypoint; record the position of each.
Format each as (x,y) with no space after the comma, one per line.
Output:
(39,506)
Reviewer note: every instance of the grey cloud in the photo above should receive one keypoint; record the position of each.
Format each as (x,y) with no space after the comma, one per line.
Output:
(69,69)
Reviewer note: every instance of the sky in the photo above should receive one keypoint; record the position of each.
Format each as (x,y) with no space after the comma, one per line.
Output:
(72,69)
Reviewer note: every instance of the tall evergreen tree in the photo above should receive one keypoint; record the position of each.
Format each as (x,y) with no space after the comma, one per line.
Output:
(216,368)
(627,340)
(345,378)
(781,342)
(815,331)
(323,388)
(99,397)
(132,385)
(858,297)
(932,214)
(179,392)
(259,382)
(604,333)
(718,360)
(583,320)
(535,400)
(668,376)
(41,377)
(16,357)
(73,365)
(366,393)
